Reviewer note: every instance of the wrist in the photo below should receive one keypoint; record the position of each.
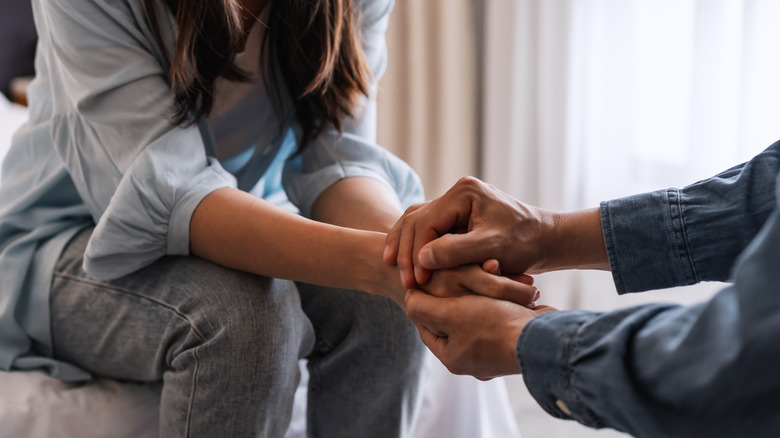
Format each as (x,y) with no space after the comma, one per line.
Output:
(375,276)
(578,241)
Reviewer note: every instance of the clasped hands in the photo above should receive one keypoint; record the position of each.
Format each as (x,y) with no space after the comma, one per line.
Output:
(464,258)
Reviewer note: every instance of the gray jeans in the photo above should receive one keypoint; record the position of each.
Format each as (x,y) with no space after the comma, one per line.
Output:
(226,345)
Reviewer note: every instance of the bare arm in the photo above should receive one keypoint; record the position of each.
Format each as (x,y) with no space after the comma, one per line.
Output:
(241,231)
(362,203)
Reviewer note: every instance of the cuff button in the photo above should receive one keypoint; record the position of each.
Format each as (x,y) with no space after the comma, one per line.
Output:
(562,406)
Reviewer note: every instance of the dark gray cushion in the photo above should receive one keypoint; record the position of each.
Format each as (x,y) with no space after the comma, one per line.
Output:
(17,41)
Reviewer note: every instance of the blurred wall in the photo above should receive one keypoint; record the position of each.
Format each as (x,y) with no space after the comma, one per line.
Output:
(17,41)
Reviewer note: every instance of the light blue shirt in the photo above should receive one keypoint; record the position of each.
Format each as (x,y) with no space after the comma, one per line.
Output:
(99,149)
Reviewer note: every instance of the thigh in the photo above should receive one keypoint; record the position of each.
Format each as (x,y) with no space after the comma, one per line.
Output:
(134,327)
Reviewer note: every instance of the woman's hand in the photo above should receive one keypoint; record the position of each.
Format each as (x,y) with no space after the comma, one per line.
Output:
(483,280)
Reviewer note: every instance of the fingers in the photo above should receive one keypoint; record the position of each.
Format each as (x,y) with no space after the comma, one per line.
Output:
(404,259)
(398,247)
(480,333)
(422,235)
(480,282)
(426,225)
(415,228)
(426,309)
(394,235)
(452,250)
(437,343)
(421,224)
(522,278)
(492,266)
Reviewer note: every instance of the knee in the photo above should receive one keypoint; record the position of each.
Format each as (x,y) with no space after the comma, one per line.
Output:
(369,327)
(249,317)
(381,322)
(385,339)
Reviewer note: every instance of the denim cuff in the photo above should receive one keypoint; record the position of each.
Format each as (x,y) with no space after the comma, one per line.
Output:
(646,242)
(544,350)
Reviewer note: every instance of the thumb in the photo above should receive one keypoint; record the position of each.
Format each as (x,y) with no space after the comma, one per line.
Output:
(492,266)
(453,250)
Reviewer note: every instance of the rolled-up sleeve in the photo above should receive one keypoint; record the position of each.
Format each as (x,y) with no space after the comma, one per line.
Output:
(139,175)
(149,215)
(334,156)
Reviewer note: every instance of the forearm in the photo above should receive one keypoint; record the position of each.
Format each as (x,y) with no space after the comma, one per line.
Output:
(243,232)
(361,203)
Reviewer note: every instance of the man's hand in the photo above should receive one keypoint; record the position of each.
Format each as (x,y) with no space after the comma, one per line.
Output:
(471,334)
(474,222)
(495,224)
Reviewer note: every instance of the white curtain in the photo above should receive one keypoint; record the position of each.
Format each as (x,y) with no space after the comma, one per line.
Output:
(589,100)
(428,99)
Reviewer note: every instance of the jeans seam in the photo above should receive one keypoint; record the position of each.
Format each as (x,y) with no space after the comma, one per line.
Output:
(192,392)
(135,294)
(173,309)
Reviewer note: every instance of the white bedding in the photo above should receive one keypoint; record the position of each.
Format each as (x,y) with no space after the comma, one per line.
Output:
(35,405)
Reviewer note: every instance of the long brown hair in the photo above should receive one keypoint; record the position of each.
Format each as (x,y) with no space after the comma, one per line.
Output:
(314,45)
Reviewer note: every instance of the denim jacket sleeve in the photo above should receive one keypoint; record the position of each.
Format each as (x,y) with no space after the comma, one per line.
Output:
(668,370)
(692,234)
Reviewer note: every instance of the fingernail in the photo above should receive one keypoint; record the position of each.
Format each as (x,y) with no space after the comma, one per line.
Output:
(427,259)
(537,295)
(386,253)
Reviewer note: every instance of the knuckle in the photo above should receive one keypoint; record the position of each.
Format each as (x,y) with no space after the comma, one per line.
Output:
(470,185)
(469,181)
